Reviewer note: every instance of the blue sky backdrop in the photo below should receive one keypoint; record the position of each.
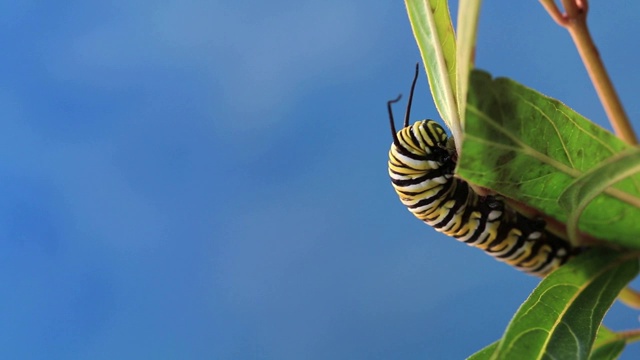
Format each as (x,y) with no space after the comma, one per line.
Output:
(207,179)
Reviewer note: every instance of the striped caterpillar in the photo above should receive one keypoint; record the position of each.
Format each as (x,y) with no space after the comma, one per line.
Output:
(421,167)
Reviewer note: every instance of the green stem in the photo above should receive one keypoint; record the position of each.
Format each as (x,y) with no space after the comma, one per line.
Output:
(630,336)
(630,297)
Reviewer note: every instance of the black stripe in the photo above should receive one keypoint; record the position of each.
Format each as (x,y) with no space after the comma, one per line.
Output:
(427,201)
(424,178)
(535,251)
(468,211)
(459,198)
(503,231)
(481,226)
(423,156)
(412,135)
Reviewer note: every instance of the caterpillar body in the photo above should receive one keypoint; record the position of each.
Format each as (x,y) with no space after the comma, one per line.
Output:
(421,166)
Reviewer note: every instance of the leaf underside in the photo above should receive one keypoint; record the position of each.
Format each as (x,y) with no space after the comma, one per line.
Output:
(431,24)
(531,148)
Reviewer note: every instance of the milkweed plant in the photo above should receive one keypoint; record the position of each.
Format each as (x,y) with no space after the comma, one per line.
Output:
(544,159)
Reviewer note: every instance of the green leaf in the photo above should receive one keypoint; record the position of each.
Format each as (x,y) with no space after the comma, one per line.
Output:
(560,318)
(594,182)
(607,346)
(431,24)
(468,13)
(530,147)
(485,353)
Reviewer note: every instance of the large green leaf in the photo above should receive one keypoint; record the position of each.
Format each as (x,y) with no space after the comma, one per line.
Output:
(607,346)
(485,353)
(560,318)
(432,28)
(530,147)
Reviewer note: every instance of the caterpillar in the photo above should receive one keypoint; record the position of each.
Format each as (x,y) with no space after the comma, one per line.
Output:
(422,160)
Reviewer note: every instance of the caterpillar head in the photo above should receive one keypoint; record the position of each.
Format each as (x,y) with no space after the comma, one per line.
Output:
(424,144)
(420,148)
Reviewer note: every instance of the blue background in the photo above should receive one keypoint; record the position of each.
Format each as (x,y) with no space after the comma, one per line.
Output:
(207,180)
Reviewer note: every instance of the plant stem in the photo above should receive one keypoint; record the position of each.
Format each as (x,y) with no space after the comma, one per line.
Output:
(630,297)
(575,21)
(630,336)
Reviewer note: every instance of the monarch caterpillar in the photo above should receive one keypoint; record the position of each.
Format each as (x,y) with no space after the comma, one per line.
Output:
(421,165)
